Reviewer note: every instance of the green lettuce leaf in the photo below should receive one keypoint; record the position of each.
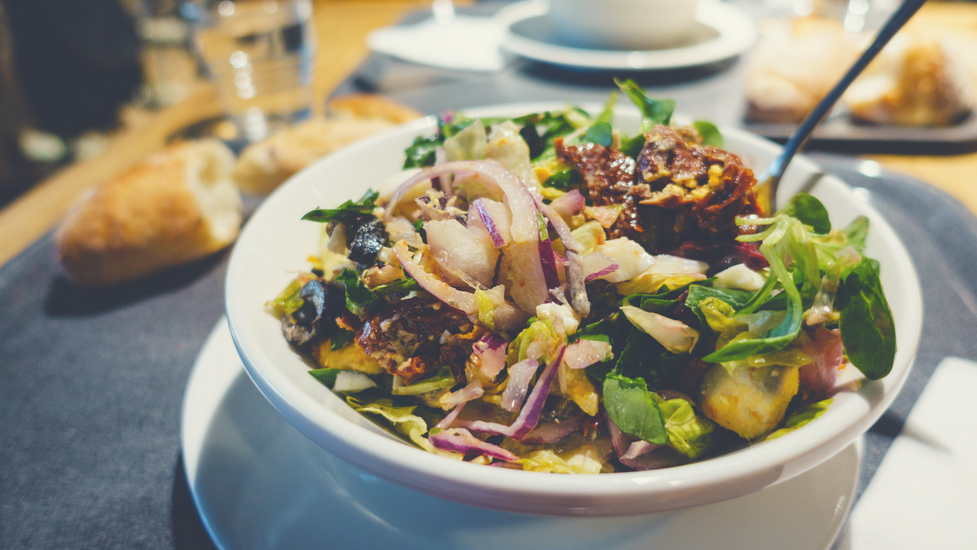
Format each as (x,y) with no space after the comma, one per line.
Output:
(348,212)
(688,434)
(802,417)
(402,419)
(631,407)
(360,300)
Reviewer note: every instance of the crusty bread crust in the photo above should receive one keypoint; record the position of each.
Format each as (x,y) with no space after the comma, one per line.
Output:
(263,166)
(372,106)
(152,216)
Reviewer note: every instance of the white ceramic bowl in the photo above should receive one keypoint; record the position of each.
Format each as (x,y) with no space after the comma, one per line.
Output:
(624,24)
(275,244)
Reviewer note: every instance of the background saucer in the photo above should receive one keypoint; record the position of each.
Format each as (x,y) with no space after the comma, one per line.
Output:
(259,484)
(724,31)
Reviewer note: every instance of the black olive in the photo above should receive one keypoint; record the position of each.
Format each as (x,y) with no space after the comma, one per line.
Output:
(370,238)
(294,333)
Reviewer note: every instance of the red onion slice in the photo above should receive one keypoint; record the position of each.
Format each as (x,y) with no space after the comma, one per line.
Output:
(575,271)
(522,204)
(470,392)
(583,353)
(639,454)
(520,375)
(551,432)
(529,415)
(547,258)
(456,249)
(462,441)
(462,301)
(521,271)
(489,354)
(450,418)
(493,216)
(569,205)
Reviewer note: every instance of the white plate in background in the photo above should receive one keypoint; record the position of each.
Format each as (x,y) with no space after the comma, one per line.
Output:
(725,31)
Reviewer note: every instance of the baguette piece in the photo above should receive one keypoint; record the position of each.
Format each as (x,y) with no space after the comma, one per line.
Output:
(178,205)
(263,166)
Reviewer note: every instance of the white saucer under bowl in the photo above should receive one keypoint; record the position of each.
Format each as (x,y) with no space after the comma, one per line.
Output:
(260,484)
(724,32)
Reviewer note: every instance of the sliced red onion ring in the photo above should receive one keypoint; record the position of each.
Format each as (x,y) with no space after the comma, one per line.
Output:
(494,217)
(583,353)
(548,260)
(529,415)
(462,441)
(450,418)
(522,204)
(575,272)
(460,300)
(489,352)
(551,432)
(456,249)
(470,392)
(520,375)
(521,271)
(569,205)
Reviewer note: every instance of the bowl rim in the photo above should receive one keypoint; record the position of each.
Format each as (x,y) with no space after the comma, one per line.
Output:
(388,458)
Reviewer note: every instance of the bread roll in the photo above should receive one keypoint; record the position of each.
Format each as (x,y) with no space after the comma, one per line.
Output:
(915,81)
(788,76)
(177,206)
(263,166)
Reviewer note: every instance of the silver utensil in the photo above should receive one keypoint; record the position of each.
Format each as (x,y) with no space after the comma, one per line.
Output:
(770,178)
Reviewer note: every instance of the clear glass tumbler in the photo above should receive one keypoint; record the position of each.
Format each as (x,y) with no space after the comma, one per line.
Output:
(261,55)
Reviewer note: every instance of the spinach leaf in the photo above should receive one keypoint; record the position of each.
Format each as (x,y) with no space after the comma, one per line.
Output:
(652,111)
(532,138)
(710,134)
(607,115)
(697,293)
(349,212)
(632,409)
(867,328)
(632,147)
(360,300)
(564,180)
(600,133)
(340,339)
(640,358)
(422,152)
(782,334)
(810,211)
(326,376)
(402,286)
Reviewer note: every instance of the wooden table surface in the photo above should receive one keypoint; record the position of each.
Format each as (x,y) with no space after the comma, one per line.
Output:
(342,26)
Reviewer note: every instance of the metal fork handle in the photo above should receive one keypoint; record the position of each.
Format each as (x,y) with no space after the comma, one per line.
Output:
(771,176)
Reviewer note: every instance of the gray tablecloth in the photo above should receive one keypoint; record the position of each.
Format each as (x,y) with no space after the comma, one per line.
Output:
(91,382)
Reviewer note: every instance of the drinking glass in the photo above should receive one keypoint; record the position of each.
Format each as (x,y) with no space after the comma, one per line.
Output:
(261,55)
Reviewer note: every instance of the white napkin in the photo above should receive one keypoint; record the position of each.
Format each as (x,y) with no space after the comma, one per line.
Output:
(924,494)
(460,42)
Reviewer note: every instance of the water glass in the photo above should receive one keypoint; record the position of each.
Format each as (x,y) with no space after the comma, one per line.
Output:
(261,55)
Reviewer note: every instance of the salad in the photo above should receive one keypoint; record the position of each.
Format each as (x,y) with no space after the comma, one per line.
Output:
(548,294)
